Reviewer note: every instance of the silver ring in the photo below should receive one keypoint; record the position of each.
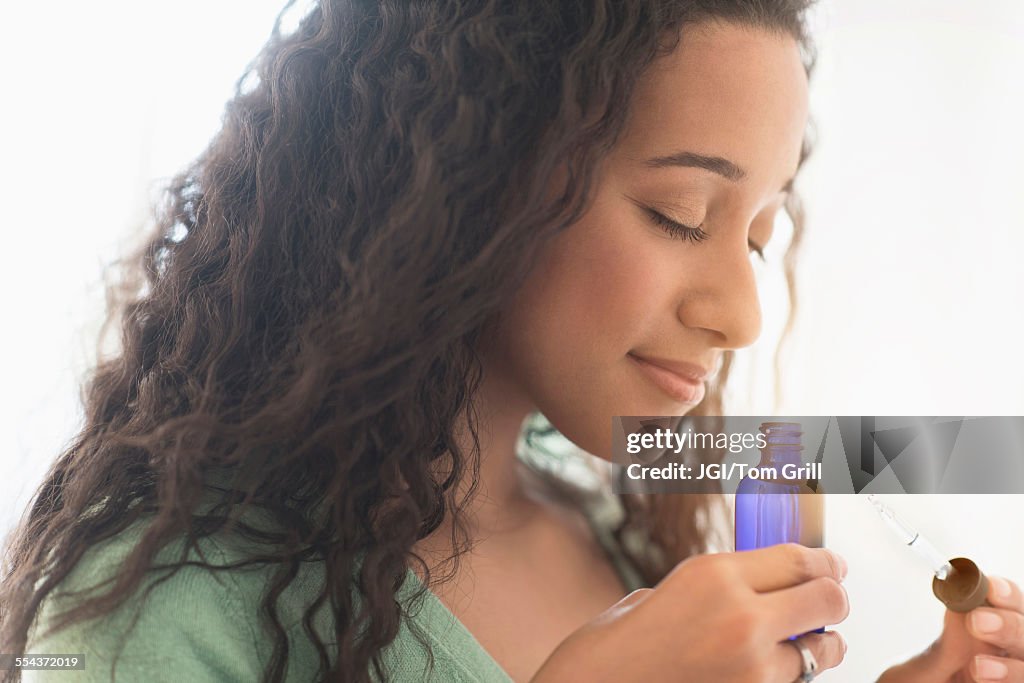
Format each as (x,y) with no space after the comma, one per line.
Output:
(809,662)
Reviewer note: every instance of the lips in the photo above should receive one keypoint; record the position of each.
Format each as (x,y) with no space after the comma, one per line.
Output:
(680,380)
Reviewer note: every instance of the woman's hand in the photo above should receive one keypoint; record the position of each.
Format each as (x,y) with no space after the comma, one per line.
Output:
(973,646)
(721,617)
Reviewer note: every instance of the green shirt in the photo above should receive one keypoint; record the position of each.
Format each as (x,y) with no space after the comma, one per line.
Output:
(203,625)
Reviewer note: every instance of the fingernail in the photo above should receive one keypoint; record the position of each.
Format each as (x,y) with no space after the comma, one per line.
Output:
(1000,587)
(991,669)
(843,568)
(987,622)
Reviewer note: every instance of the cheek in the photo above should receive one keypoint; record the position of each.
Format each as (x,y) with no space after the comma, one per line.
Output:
(594,293)
(601,289)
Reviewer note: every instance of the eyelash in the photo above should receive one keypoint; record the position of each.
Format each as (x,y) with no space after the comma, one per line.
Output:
(695,235)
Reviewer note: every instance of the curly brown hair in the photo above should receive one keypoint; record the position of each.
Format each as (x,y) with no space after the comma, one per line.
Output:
(304,314)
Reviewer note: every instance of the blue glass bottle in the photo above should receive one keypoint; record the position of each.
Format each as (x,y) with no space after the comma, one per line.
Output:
(773,510)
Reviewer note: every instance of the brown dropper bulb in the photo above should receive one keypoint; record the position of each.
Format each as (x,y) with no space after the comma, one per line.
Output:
(965,588)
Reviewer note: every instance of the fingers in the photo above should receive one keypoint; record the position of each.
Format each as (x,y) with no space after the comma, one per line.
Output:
(1001,627)
(1002,624)
(1005,593)
(987,668)
(788,564)
(814,604)
(828,649)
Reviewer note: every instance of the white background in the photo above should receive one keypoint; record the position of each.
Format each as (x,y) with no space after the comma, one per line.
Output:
(910,300)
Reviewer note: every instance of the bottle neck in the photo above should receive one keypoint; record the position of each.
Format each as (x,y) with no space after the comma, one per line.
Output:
(781,455)
(782,443)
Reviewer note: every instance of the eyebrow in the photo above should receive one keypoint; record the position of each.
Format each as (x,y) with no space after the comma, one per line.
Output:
(718,165)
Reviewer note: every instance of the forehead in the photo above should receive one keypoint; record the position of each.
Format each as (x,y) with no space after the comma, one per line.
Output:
(726,90)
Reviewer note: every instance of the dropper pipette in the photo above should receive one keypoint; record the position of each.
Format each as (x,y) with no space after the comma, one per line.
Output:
(921,545)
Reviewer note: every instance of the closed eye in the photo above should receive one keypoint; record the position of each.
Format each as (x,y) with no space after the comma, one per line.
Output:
(692,234)
(678,230)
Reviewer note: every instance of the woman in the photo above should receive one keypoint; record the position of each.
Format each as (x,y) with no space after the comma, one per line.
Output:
(421,224)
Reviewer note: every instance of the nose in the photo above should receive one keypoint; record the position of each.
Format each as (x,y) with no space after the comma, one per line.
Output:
(722,295)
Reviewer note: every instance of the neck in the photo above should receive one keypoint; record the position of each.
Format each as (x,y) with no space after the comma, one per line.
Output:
(503,502)
(502,497)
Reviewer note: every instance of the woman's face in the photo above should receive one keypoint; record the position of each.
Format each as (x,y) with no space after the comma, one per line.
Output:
(713,137)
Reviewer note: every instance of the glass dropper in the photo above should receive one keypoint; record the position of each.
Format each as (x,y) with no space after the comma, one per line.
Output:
(921,545)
